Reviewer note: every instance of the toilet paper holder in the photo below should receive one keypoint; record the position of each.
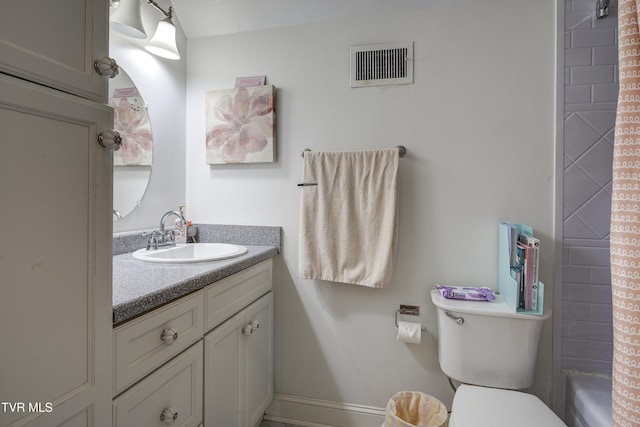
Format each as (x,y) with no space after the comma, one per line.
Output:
(410,310)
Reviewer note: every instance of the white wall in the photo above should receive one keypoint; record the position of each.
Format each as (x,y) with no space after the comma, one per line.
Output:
(162,85)
(479,128)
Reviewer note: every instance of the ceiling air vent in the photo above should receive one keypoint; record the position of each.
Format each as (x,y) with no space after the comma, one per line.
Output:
(381,64)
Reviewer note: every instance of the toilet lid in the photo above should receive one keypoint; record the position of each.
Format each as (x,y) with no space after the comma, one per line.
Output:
(475,406)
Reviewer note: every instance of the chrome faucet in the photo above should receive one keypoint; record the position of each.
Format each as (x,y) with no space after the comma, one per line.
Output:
(162,237)
(168,214)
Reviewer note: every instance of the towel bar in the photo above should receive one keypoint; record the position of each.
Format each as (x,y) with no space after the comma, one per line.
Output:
(401,148)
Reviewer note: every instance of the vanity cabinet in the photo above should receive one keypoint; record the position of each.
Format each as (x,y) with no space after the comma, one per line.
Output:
(207,357)
(238,367)
(55,264)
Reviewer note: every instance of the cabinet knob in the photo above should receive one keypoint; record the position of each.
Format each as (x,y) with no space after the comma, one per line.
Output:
(255,324)
(169,415)
(169,336)
(106,67)
(111,140)
(251,327)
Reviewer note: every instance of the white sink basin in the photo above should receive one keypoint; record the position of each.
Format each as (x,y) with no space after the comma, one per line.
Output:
(191,252)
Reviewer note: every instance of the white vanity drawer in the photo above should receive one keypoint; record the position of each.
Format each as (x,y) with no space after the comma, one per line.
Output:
(145,343)
(228,296)
(174,390)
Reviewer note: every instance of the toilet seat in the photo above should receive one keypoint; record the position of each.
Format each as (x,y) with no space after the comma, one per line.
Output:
(475,406)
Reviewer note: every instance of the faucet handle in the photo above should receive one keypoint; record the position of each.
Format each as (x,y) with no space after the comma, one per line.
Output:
(152,243)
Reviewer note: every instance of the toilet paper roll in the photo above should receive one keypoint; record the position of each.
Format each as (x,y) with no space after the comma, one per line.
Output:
(409,332)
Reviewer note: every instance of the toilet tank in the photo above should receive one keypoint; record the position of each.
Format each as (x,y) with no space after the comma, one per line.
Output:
(486,343)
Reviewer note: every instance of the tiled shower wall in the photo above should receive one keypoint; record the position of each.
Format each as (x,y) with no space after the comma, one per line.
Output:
(591,91)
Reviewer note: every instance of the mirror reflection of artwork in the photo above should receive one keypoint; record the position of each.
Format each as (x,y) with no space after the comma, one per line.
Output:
(240,125)
(132,122)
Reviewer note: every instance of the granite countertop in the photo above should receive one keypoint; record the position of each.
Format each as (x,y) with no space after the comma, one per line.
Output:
(139,286)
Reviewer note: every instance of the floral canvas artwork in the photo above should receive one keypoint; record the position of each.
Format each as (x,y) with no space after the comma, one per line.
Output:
(131,120)
(240,125)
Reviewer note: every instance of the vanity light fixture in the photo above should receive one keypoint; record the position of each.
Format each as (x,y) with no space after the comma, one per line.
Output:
(126,20)
(163,42)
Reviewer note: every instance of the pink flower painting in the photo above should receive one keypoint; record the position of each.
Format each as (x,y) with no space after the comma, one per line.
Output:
(240,125)
(131,120)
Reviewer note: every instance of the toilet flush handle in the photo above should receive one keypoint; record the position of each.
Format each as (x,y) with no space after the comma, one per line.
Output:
(459,320)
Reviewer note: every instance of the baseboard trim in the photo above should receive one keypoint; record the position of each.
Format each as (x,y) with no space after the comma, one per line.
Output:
(309,412)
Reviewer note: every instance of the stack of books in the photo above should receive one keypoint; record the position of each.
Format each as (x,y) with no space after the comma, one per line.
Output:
(524,262)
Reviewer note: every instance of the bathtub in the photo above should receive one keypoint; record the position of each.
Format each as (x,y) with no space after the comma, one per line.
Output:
(588,400)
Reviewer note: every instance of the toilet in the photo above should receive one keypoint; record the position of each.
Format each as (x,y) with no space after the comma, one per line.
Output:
(492,351)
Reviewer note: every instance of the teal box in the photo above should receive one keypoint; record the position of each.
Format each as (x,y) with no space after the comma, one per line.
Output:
(507,283)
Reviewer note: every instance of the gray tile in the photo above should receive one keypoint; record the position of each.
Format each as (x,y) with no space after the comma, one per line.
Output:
(609,136)
(567,162)
(576,273)
(592,331)
(579,136)
(593,37)
(605,92)
(586,243)
(567,213)
(604,55)
(586,293)
(579,19)
(592,75)
(576,311)
(575,348)
(578,57)
(578,187)
(575,227)
(589,256)
(603,121)
(596,213)
(600,275)
(601,351)
(601,313)
(597,162)
(578,94)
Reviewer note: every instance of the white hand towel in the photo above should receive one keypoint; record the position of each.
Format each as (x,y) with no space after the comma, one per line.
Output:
(348,221)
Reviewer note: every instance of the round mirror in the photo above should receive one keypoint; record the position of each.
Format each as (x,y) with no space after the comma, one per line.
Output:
(132,162)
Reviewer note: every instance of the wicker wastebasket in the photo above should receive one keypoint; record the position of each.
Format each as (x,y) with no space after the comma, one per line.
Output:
(415,409)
